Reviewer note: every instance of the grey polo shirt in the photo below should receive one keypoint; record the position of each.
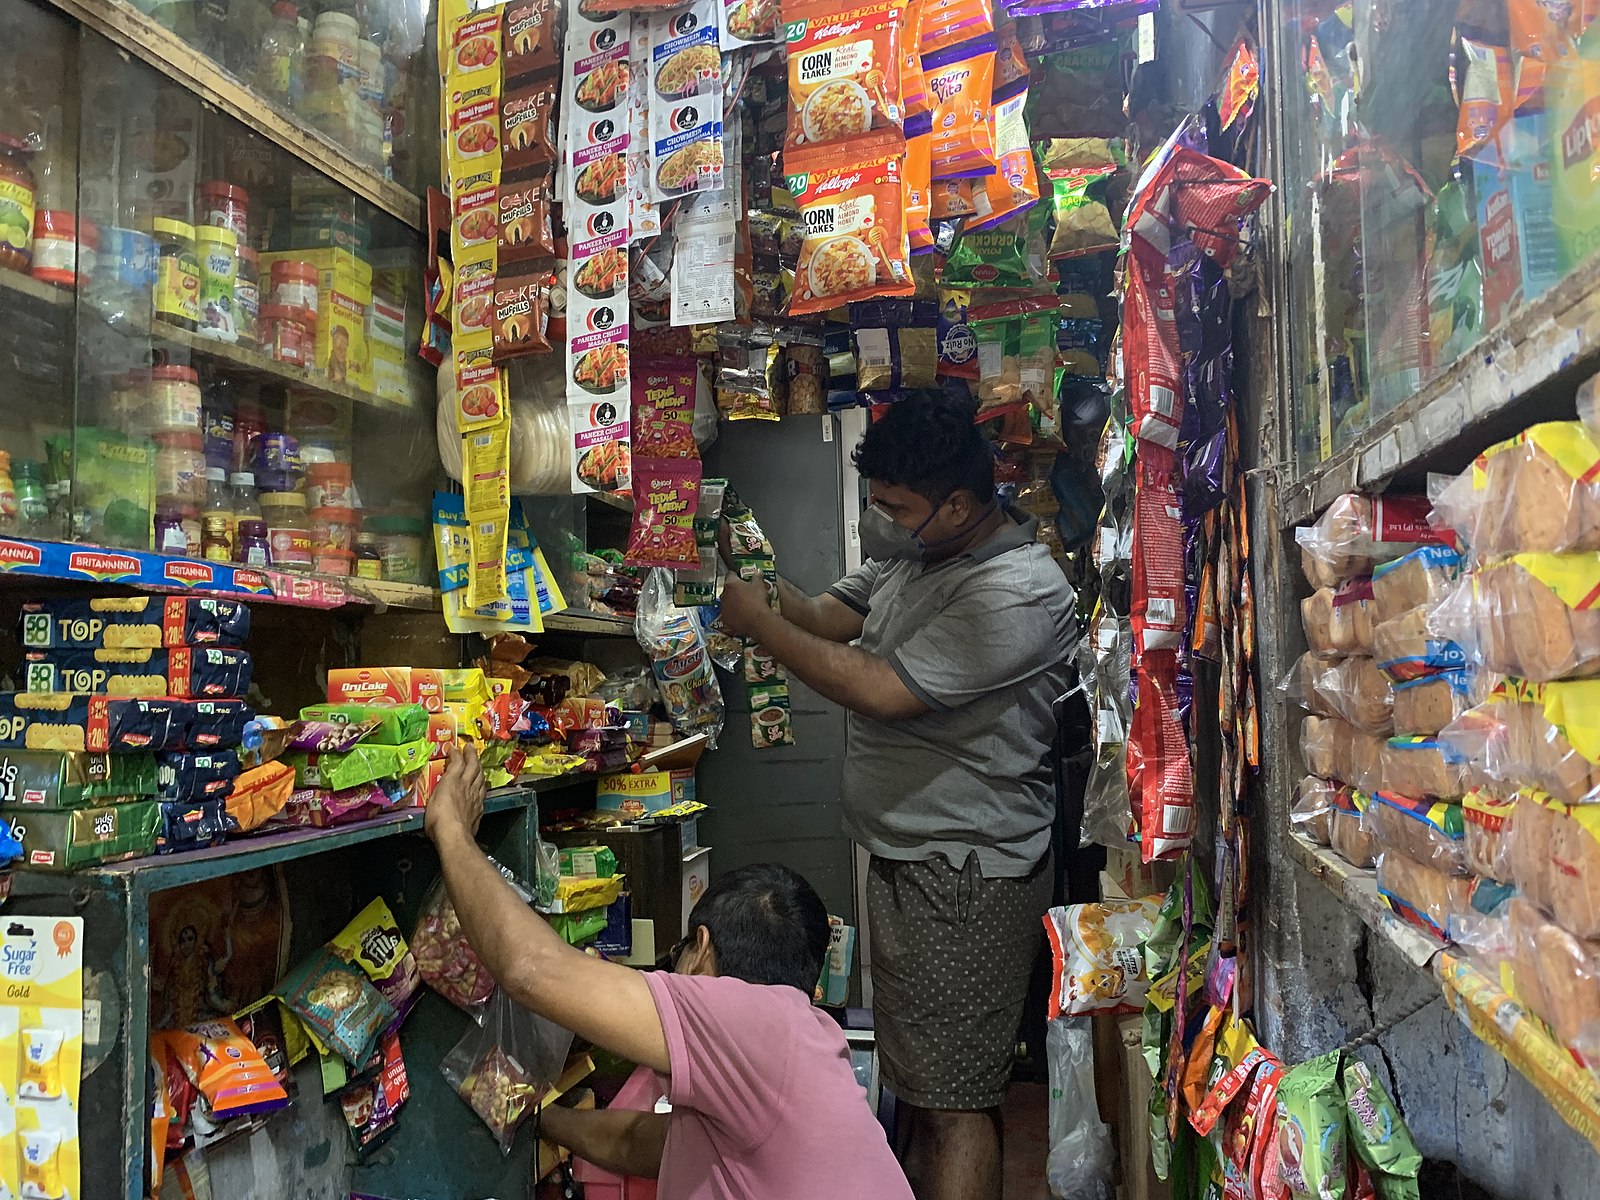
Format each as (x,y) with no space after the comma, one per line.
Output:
(983,640)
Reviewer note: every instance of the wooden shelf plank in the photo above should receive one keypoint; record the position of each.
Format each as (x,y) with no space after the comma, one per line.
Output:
(261,365)
(576,620)
(1358,888)
(35,289)
(164,50)
(1496,388)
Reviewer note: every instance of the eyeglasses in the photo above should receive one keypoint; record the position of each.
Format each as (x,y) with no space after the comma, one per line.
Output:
(676,953)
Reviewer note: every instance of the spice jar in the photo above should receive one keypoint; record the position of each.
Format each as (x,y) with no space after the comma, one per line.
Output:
(328,484)
(226,206)
(369,562)
(252,548)
(295,284)
(180,472)
(247,297)
(216,540)
(291,333)
(400,546)
(59,257)
(218,251)
(173,400)
(177,273)
(17,193)
(288,530)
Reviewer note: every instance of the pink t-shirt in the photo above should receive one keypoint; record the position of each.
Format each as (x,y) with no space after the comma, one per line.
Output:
(764,1104)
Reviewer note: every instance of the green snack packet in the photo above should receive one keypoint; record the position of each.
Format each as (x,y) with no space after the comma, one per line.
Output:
(73,778)
(66,839)
(1311,1125)
(397,723)
(1083,222)
(1380,1137)
(995,257)
(363,764)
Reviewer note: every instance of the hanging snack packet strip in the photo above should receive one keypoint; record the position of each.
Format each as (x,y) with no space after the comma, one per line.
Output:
(1014,186)
(919,182)
(747,23)
(852,204)
(913,83)
(699,587)
(767,685)
(947,22)
(844,70)
(1083,222)
(961,80)
(686,128)
(598,123)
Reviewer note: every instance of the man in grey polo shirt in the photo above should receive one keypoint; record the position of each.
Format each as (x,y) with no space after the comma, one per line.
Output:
(949,647)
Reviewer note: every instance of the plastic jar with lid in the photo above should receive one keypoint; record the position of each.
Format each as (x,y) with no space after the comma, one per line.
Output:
(18,194)
(177,273)
(295,284)
(369,560)
(180,471)
(288,530)
(329,485)
(277,465)
(337,36)
(126,276)
(173,401)
(63,248)
(218,251)
(400,546)
(177,528)
(247,297)
(290,333)
(226,206)
(251,547)
(334,528)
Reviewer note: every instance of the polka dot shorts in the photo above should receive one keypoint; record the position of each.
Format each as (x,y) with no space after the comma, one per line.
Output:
(952,956)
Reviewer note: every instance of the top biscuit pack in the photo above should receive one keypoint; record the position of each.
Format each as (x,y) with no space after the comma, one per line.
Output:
(133,622)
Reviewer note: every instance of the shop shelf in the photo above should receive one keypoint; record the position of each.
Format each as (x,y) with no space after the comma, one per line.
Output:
(257,365)
(1358,889)
(164,50)
(1494,390)
(616,500)
(34,289)
(576,620)
(162,871)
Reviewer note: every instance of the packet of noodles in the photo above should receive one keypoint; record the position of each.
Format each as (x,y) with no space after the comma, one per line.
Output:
(852,207)
(844,75)
(961,80)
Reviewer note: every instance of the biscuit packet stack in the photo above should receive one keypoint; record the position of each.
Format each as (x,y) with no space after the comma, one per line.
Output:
(128,728)
(1528,615)
(1349,699)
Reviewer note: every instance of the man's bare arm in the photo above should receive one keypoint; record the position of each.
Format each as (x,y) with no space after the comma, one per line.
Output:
(847,675)
(826,616)
(620,1140)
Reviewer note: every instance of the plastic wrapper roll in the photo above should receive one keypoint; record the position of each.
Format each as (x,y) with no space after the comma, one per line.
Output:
(1405,647)
(539,452)
(1433,834)
(1487,822)
(1351,688)
(1428,898)
(1422,577)
(1359,531)
(1311,814)
(1537,493)
(1347,832)
(1424,706)
(1555,860)
(1423,768)
(1533,616)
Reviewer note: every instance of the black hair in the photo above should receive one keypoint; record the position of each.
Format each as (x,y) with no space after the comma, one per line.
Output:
(767,925)
(928,443)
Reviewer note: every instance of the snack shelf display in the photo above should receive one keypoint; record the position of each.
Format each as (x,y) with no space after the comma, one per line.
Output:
(175,58)
(1358,888)
(160,872)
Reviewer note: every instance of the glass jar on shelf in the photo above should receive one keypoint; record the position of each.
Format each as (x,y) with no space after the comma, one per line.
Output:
(288,530)
(33,506)
(251,548)
(218,251)
(177,529)
(247,297)
(177,300)
(369,558)
(172,400)
(283,45)
(218,512)
(18,196)
(180,465)
(399,546)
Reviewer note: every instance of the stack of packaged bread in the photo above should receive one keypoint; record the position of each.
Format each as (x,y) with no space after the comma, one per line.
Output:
(1528,616)
(1371,561)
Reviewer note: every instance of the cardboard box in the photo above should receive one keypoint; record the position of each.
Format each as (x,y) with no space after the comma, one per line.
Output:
(344,294)
(638,794)
(696,879)
(386,685)
(68,721)
(73,779)
(64,840)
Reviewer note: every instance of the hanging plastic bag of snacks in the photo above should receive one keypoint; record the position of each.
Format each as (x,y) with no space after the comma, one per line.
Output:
(1083,222)
(445,959)
(674,642)
(961,79)
(504,1068)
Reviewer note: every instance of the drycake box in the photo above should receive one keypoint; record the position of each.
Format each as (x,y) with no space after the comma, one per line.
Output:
(66,839)
(73,778)
(387,685)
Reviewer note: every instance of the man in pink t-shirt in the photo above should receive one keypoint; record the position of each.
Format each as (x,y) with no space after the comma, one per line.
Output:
(764,1105)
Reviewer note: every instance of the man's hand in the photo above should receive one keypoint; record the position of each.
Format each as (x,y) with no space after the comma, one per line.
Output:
(457,803)
(743,605)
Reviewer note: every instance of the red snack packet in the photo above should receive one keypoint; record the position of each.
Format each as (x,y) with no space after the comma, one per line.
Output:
(663,409)
(666,495)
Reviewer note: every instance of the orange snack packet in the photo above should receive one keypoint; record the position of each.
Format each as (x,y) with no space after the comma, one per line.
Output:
(952,198)
(919,181)
(961,80)
(1010,62)
(948,22)
(1014,186)
(844,70)
(852,201)
(913,84)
